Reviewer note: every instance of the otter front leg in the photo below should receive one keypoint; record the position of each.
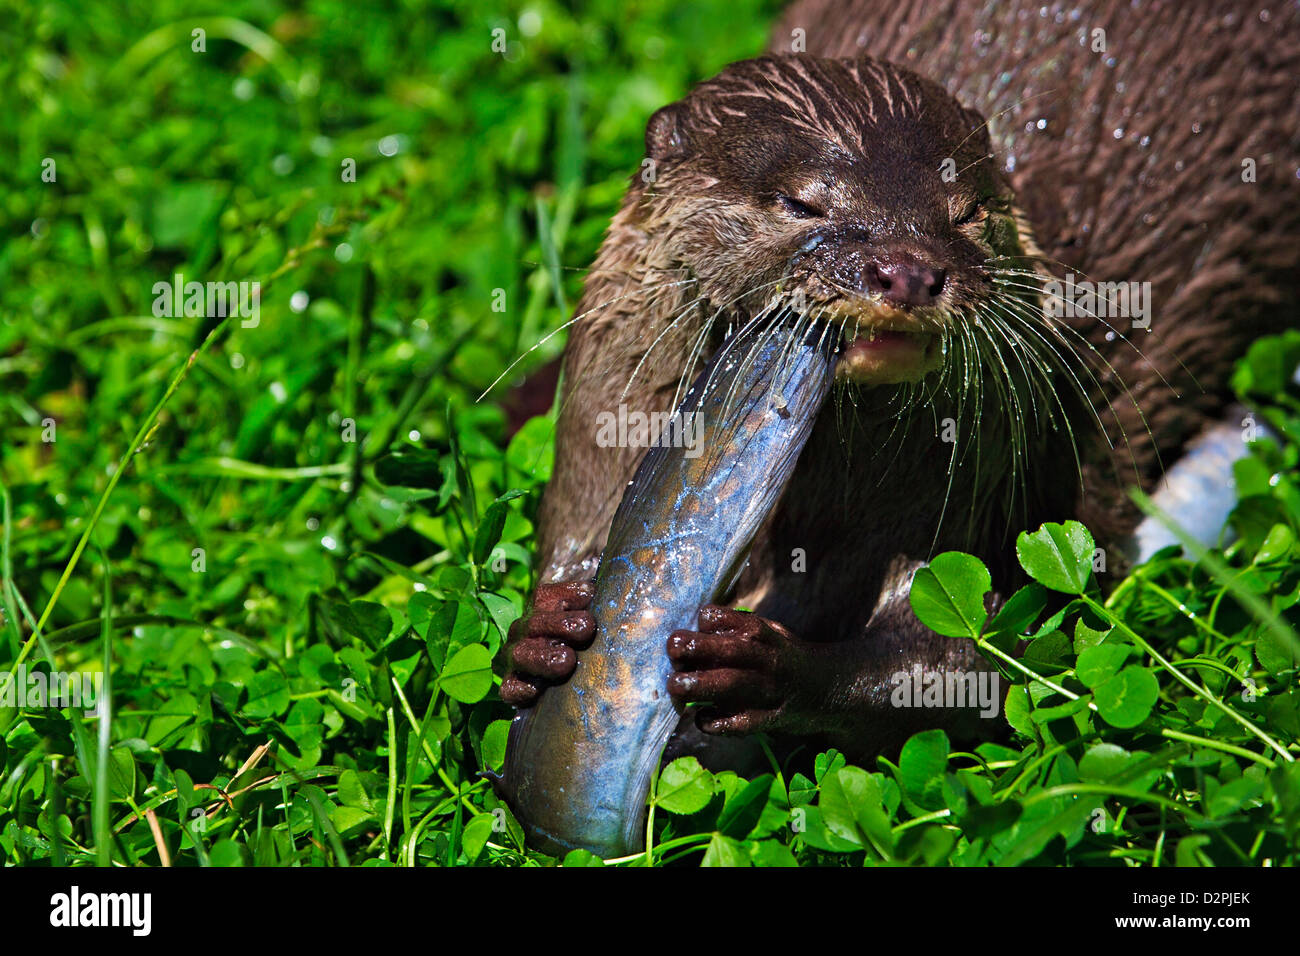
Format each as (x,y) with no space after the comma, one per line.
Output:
(544,642)
(749,674)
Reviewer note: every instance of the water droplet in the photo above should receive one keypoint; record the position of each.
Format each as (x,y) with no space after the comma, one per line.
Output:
(282,165)
(299,300)
(344,252)
(530,23)
(389,146)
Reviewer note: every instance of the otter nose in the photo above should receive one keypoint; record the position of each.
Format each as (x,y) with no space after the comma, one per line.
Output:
(903,280)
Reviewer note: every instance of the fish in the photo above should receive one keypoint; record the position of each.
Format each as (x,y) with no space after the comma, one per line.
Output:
(579,762)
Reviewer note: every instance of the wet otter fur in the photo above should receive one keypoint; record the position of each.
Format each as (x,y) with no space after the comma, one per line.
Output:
(1128,164)
(815,179)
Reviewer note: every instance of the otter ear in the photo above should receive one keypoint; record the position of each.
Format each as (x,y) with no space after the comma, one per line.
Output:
(665,133)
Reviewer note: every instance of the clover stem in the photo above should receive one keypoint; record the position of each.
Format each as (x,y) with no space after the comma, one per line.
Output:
(1185,681)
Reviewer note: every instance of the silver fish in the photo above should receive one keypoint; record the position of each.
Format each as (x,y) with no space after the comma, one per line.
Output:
(579,762)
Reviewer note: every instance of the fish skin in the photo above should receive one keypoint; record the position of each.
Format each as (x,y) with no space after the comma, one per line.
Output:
(579,761)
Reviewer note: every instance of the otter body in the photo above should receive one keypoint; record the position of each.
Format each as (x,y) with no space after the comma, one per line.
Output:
(919,176)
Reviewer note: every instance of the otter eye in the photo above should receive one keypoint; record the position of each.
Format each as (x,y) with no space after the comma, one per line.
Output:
(800,210)
(975,210)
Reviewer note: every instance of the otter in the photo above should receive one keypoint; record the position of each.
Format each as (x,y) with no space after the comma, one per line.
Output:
(934,177)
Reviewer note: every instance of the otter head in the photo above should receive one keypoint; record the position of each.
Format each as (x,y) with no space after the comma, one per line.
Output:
(847,189)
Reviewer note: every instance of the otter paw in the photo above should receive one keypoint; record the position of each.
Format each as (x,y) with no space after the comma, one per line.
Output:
(735,667)
(544,643)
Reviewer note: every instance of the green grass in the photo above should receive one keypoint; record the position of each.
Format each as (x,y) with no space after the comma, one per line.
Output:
(302,632)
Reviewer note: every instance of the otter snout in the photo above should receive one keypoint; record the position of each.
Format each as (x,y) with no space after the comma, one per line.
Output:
(852,264)
(889,295)
(902,280)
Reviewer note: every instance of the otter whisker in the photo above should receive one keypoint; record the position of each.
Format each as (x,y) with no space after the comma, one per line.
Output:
(1030,319)
(668,327)
(1036,371)
(683,310)
(1038,319)
(1016,105)
(1063,328)
(775,315)
(577,318)
(1059,329)
(961,344)
(1043,366)
(1088,313)
(1154,333)
(975,162)
(685,379)
(767,311)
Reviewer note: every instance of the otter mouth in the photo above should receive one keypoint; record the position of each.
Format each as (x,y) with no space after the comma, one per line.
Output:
(888,357)
(885,346)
